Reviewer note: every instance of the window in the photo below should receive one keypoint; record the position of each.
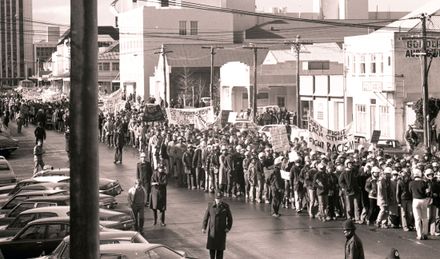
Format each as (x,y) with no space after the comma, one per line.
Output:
(115,66)
(22,220)
(361,119)
(362,65)
(379,64)
(164,3)
(57,231)
(384,121)
(4,167)
(20,208)
(318,65)
(194,30)
(33,232)
(99,66)
(182,27)
(281,101)
(263,96)
(106,66)
(373,65)
(353,65)
(389,61)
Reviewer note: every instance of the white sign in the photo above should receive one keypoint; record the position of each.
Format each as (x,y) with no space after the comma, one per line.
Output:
(324,140)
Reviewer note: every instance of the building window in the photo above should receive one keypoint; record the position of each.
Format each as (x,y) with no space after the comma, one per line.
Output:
(115,66)
(362,65)
(182,27)
(318,65)
(385,121)
(281,101)
(194,30)
(263,96)
(99,66)
(373,65)
(361,119)
(106,66)
(389,61)
(379,64)
(164,3)
(353,65)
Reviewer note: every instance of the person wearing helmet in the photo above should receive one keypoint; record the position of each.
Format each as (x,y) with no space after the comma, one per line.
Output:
(371,188)
(429,178)
(404,200)
(320,182)
(297,184)
(349,183)
(384,197)
(260,176)
(393,208)
(309,174)
(418,189)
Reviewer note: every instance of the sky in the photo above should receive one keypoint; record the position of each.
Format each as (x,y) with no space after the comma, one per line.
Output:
(57,11)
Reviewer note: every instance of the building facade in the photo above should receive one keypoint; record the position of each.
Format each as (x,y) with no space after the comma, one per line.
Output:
(16,50)
(384,77)
(143,31)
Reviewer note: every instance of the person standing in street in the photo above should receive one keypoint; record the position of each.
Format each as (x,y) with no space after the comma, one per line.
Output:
(353,244)
(158,198)
(143,173)
(119,145)
(38,156)
(136,200)
(218,220)
(40,133)
(276,186)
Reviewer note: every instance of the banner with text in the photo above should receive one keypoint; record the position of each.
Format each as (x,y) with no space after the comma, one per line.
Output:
(279,139)
(199,117)
(153,112)
(324,140)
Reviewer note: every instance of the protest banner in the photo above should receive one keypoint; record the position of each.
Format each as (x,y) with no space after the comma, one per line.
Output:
(199,117)
(324,140)
(153,112)
(279,139)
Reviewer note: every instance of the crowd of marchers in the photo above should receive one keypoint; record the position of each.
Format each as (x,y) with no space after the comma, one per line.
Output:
(368,186)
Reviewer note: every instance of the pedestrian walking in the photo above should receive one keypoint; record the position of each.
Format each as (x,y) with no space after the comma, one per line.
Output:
(144,173)
(218,221)
(40,133)
(276,186)
(158,200)
(418,189)
(119,145)
(353,244)
(137,199)
(38,156)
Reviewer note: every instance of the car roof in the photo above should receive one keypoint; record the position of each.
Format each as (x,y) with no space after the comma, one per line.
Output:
(47,184)
(53,172)
(41,192)
(113,235)
(60,210)
(107,213)
(61,197)
(51,178)
(51,220)
(121,248)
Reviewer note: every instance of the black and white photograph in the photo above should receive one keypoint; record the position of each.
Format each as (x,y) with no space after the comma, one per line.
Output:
(260,129)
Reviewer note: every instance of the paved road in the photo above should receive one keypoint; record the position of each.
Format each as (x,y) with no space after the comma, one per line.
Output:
(255,234)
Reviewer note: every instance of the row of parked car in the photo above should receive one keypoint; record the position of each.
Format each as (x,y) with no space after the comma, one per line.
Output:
(35,219)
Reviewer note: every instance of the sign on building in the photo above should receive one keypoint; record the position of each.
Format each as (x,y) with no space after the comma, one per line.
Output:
(414,47)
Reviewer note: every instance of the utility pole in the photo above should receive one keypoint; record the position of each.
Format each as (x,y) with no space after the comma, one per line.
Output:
(164,52)
(296,46)
(426,125)
(255,87)
(211,79)
(83,142)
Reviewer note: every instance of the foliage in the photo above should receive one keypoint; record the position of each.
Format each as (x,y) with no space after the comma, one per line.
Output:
(433,110)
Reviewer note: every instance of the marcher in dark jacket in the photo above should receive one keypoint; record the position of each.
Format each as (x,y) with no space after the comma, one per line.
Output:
(276,187)
(348,181)
(320,182)
(144,173)
(158,200)
(218,220)
(353,246)
(40,133)
(119,145)
(404,201)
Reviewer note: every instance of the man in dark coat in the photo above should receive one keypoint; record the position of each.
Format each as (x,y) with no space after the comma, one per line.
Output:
(40,133)
(119,145)
(353,244)
(158,198)
(136,200)
(218,220)
(143,173)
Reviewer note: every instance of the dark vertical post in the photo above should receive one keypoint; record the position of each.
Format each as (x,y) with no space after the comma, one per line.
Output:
(165,104)
(84,166)
(426,124)
(255,93)
(211,78)
(298,99)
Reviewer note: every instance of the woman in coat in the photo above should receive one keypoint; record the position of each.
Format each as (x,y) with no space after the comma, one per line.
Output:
(158,198)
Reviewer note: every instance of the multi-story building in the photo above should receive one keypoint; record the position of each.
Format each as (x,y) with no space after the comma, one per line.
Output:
(384,76)
(108,69)
(146,25)
(43,50)
(16,53)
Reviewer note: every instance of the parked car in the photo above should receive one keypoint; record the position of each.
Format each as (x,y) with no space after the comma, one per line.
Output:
(122,237)
(16,199)
(9,190)
(7,175)
(7,144)
(131,251)
(38,237)
(106,186)
(391,146)
(107,218)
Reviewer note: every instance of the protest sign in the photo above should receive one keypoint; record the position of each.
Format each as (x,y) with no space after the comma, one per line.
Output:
(199,117)
(279,139)
(285,175)
(324,140)
(153,112)
(375,136)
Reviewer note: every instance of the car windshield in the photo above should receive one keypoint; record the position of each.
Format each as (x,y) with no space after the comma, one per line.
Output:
(4,167)
(20,208)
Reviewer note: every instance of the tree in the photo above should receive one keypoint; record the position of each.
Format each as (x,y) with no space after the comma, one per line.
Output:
(433,110)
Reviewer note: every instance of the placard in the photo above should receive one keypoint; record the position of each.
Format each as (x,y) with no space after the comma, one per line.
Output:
(279,139)
(196,116)
(375,136)
(285,175)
